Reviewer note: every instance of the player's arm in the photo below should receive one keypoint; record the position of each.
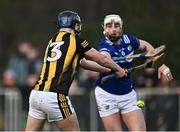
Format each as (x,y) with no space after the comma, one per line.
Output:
(93,66)
(144,45)
(105,61)
(92,54)
(163,70)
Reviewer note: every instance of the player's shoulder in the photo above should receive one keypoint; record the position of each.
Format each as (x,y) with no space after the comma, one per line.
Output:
(79,38)
(128,38)
(105,41)
(55,35)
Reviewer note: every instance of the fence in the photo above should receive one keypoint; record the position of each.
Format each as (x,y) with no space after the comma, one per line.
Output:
(10,110)
(162,110)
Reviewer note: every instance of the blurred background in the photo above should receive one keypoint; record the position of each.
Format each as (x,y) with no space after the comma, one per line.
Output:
(27,26)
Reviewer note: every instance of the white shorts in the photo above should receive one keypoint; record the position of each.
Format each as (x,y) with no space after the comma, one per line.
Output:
(49,105)
(109,104)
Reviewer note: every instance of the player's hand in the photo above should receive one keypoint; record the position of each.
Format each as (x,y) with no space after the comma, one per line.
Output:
(122,73)
(164,71)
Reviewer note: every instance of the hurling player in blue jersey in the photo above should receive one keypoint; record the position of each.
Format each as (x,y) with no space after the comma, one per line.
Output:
(116,98)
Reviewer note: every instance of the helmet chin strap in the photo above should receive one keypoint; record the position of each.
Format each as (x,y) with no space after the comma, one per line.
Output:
(113,38)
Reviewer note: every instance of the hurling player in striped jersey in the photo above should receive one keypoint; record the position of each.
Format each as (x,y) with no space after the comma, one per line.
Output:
(49,99)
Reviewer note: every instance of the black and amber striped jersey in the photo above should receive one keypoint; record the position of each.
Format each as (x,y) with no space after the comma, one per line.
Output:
(60,62)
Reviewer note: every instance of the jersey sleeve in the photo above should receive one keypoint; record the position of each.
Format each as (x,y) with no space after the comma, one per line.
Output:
(135,42)
(82,45)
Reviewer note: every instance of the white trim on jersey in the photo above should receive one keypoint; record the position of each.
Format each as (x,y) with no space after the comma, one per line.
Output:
(126,39)
(104,49)
(124,60)
(108,41)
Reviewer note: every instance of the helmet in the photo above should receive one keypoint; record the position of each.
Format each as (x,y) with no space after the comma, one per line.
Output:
(68,19)
(113,18)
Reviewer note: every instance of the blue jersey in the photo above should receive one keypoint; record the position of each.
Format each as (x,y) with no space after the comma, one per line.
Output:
(128,44)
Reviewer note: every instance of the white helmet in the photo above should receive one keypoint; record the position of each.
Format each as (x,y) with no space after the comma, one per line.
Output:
(113,18)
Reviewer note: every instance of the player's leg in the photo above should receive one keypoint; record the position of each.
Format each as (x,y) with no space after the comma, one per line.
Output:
(134,120)
(36,117)
(131,114)
(68,124)
(62,112)
(112,122)
(108,109)
(34,124)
